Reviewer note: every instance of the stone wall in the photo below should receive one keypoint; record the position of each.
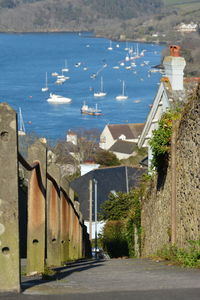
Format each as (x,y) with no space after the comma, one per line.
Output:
(156,212)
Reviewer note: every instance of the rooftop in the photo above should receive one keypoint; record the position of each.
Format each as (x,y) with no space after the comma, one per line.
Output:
(123,147)
(131,131)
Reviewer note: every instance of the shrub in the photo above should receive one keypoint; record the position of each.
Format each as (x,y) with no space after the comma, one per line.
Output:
(189,257)
(161,139)
(114,239)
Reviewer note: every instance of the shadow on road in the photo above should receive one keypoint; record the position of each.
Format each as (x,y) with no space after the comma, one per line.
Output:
(60,273)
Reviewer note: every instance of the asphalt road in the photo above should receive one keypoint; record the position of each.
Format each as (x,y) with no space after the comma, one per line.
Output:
(137,279)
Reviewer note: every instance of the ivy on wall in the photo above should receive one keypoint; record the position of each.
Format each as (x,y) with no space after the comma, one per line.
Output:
(161,139)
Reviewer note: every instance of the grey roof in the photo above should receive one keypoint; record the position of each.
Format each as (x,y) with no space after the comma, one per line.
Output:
(131,131)
(125,147)
(108,179)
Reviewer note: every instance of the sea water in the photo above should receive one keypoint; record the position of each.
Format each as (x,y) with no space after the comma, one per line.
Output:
(25,59)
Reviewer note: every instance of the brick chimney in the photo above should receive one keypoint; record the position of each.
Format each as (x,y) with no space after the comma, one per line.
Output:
(174,66)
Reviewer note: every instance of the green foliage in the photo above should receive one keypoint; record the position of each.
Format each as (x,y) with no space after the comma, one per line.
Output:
(114,239)
(122,9)
(189,257)
(126,209)
(106,158)
(49,274)
(161,139)
(135,160)
(116,207)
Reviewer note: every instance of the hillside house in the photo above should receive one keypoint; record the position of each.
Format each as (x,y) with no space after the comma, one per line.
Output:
(191,27)
(173,89)
(123,149)
(114,132)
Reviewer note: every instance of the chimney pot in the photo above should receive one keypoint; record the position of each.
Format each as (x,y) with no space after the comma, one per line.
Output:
(175,50)
(174,68)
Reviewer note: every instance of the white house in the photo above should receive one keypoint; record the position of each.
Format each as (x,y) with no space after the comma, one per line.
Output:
(191,27)
(172,89)
(88,166)
(113,132)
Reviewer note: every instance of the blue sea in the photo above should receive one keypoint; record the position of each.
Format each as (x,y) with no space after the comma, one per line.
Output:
(25,59)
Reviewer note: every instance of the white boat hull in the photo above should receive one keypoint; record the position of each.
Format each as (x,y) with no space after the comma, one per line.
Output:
(99,94)
(121,97)
(57,99)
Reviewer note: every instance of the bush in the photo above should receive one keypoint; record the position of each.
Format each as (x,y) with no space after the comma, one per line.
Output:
(189,257)
(161,139)
(106,158)
(114,239)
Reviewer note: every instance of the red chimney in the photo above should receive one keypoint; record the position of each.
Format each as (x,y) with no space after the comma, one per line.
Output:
(175,50)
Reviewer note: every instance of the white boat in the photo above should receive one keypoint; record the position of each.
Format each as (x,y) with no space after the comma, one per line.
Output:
(45,89)
(110,47)
(127,58)
(65,69)
(62,78)
(93,111)
(122,96)
(126,48)
(77,64)
(101,93)
(57,99)
(54,74)
(21,130)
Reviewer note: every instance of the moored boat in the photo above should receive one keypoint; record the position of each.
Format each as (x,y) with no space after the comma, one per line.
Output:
(45,89)
(122,96)
(101,93)
(57,99)
(94,111)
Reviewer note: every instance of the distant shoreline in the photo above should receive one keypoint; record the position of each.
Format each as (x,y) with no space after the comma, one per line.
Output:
(85,32)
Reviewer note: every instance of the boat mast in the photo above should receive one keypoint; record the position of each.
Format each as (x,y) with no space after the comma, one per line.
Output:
(101,84)
(123,88)
(46,80)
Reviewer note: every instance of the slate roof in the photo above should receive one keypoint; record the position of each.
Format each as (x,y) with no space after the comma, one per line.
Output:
(125,147)
(131,131)
(108,179)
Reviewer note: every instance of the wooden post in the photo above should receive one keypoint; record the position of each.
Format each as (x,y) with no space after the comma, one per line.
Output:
(173,182)
(9,218)
(53,217)
(71,223)
(36,210)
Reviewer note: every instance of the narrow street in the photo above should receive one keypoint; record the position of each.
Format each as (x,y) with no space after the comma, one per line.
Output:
(115,279)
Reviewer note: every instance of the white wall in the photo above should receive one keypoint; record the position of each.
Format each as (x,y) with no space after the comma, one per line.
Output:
(100,226)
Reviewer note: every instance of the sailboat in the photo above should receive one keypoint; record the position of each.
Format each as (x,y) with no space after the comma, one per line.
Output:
(126,48)
(21,130)
(110,47)
(45,89)
(65,69)
(122,96)
(101,93)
